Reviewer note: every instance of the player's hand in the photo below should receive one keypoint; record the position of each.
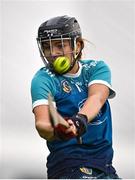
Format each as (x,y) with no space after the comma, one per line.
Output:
(72,128)
(77,127)
(80,122)
(63,133)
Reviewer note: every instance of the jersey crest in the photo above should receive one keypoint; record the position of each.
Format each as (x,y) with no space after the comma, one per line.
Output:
(66,87)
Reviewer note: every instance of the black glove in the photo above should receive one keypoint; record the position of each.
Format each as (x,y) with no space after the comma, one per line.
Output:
(80,121)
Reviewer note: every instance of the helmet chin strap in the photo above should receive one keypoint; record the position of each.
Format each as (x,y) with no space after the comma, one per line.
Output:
(74,58)
(74,61)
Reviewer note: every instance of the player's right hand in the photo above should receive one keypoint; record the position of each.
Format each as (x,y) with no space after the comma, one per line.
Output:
(63,133)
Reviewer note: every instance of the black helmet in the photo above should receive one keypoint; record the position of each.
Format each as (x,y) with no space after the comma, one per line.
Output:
(58,28)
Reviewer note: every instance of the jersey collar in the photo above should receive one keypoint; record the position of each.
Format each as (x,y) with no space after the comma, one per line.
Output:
(76,74)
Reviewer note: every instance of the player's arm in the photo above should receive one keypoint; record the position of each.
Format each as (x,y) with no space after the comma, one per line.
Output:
(45,128)
(43,123)
(97,95)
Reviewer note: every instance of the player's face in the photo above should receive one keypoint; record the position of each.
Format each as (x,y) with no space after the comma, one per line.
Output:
(55,48)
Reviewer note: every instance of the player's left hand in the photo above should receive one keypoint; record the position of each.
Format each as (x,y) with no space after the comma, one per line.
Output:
(80,122)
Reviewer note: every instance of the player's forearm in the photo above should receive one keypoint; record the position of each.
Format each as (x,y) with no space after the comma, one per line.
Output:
(45,130)
(92,106)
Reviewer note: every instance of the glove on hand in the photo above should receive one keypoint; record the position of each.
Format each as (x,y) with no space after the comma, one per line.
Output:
(80,121)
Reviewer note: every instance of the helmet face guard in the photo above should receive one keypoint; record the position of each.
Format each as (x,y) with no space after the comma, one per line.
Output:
(46,50)
(58,30)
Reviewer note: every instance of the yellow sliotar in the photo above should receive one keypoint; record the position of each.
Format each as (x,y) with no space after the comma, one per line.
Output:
(61,64)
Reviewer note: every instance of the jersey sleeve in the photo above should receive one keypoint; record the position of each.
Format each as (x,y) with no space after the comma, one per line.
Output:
(101,74)
(40,88)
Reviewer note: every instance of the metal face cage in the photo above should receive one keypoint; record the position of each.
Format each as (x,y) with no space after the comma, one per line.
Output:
(46,49)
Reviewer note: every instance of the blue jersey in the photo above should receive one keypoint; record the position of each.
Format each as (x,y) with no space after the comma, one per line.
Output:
(70,91)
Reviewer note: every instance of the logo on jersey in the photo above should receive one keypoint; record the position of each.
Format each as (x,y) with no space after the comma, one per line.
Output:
(66,87)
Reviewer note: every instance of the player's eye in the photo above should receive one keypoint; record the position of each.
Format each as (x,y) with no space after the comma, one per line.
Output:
(59,46)
(46,46)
